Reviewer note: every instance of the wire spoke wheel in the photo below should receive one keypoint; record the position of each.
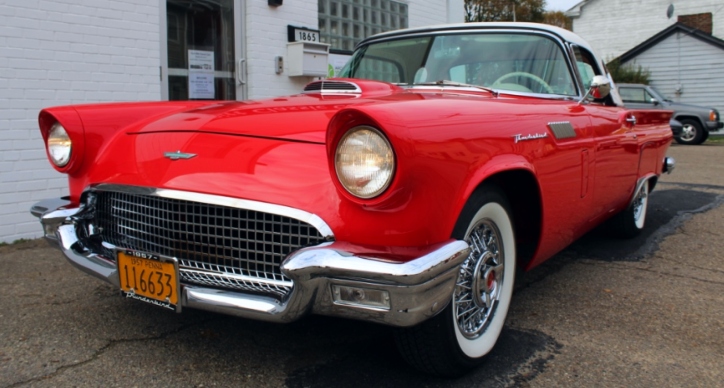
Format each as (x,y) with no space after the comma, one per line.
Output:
(477,291)
(458,337)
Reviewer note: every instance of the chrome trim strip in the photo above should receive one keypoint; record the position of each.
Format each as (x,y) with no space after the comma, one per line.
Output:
(246,204)
(498,92)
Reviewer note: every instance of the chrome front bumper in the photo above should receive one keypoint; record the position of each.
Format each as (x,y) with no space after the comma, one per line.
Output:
(417,289)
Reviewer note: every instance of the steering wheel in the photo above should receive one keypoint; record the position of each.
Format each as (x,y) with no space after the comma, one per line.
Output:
(534,77)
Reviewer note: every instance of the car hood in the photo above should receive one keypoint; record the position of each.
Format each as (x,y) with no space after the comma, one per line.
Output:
(302,117)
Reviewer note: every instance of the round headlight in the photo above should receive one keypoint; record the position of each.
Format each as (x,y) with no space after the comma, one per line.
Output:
(59,145)
(364,162)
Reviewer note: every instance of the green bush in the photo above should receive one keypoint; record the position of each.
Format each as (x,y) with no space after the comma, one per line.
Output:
(628,73)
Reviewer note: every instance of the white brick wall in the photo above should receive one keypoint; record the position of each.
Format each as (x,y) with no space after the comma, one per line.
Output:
(266,38)
(56,52)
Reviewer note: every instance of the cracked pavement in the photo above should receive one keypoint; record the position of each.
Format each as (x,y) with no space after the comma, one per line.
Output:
(602,313)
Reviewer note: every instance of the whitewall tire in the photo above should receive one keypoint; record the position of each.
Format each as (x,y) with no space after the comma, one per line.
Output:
(459,337)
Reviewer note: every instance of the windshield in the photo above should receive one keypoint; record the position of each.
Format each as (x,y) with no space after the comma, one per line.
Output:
(503,61)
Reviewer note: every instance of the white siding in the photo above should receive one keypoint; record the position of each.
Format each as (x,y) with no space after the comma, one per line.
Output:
(613,27)
(56,52)
(681,62)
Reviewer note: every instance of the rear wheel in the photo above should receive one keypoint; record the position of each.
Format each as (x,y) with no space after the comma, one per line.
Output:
(630,222)
(458,338)
(692,132)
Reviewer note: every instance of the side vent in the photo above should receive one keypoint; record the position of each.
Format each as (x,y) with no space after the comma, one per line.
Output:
(562,130)
(332,87)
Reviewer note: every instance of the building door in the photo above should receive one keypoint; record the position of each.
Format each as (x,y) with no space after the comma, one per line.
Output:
(202,55)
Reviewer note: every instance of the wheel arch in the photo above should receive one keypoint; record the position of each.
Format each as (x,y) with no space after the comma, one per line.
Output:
(522,190)
(687,116)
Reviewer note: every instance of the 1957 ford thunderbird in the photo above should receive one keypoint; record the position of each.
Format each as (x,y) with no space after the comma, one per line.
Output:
(408,192)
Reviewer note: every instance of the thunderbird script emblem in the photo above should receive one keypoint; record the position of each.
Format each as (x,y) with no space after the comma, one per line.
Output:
(178,155)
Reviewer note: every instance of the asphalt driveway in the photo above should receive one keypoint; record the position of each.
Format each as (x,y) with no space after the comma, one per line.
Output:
(603,313)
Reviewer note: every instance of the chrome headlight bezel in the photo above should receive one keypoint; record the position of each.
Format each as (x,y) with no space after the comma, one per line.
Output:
(364,162)
(59,145)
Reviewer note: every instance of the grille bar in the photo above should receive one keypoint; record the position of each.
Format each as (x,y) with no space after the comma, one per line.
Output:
(219,246)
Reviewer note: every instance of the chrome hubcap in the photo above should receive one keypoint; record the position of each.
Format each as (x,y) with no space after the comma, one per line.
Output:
(480,280)
(688,132)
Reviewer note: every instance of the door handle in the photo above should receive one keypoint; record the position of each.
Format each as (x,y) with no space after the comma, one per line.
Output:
(631,120)
(240,76)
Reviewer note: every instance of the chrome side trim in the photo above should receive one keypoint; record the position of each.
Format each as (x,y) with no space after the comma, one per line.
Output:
(453,89)
(280,210)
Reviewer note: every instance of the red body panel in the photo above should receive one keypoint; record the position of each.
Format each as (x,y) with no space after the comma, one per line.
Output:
(446,144)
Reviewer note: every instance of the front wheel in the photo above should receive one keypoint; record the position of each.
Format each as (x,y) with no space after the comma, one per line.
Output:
(458,338)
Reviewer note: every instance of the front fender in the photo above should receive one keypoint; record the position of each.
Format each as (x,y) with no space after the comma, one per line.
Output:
(496,165)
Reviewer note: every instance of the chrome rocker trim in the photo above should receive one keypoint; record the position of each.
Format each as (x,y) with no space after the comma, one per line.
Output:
(418,289)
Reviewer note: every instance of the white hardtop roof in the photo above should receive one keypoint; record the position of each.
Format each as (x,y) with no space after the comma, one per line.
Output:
(560,32)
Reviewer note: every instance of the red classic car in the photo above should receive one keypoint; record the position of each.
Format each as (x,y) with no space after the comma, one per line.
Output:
(406,193)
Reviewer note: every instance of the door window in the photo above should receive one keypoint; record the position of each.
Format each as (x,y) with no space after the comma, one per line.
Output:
(636,95)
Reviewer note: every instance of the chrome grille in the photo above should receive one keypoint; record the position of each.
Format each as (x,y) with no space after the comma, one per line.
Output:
(216,246)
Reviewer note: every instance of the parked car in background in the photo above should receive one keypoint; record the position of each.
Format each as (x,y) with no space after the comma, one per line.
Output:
(697,121)
(407,193)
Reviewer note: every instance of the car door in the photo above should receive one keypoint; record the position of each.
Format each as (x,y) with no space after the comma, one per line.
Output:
(616,147)
(617,154)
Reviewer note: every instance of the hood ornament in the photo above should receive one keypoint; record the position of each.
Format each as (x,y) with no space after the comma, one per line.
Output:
(178,155)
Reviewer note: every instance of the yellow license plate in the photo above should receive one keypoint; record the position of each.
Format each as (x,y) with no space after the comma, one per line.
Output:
(149,278)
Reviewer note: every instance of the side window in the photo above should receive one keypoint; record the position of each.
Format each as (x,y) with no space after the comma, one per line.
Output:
(586,65)
(636,95)
(649,98)
(588,68)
